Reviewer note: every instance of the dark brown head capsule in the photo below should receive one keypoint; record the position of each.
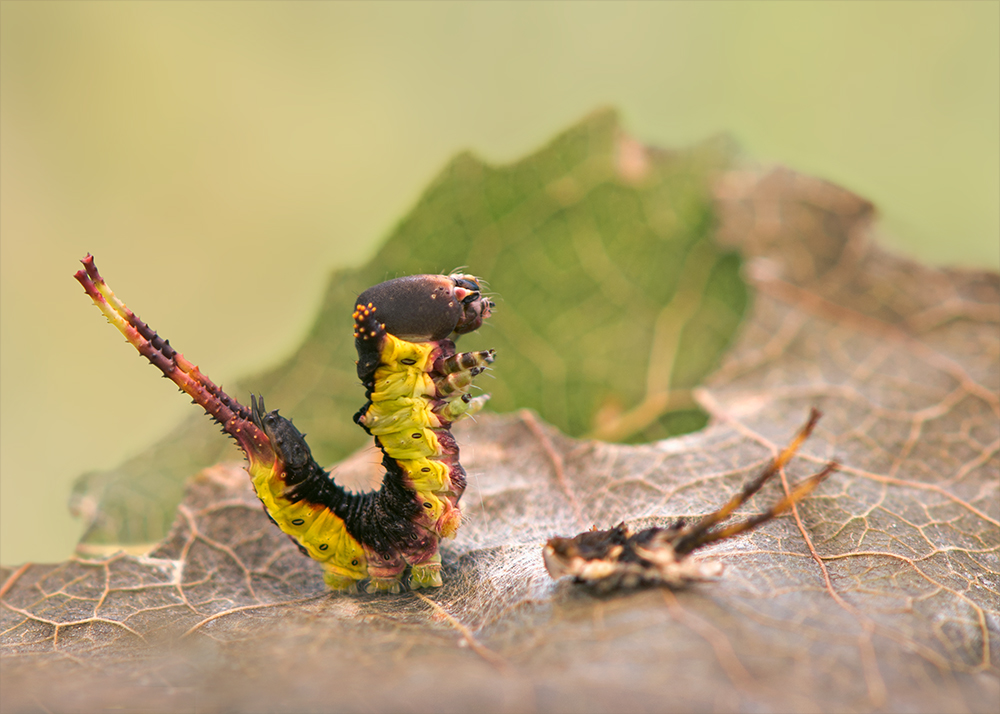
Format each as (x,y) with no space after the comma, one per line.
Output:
(425,308)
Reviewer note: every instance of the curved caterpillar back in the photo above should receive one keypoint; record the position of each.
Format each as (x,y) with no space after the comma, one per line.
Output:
(416,386)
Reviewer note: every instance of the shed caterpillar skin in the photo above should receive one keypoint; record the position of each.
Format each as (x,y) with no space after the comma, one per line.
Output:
(620,558)
(416,387)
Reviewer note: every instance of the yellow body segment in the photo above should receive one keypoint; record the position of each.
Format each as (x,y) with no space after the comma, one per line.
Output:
(316,528)
(410,444)
(411,355)
(433,506)
(425,474)
(396,385)
(402,414)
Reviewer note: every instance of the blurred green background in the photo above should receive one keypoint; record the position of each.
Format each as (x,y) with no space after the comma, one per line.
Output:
(220,159)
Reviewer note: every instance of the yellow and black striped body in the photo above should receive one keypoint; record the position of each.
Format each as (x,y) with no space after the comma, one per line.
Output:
(416,386)
(304,502)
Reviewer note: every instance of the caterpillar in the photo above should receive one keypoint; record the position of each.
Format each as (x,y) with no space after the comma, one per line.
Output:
(416,386)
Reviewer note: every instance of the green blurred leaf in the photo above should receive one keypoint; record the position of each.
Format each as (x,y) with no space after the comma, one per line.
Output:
(613,301)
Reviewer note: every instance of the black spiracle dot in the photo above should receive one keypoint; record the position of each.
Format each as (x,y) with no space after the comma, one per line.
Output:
(324,546)
(426,505)
(425,469)
(298,522)
(416,435)
(408,361)
(354,562)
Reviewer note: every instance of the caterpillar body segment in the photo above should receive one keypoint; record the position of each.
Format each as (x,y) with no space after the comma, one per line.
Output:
(416,389)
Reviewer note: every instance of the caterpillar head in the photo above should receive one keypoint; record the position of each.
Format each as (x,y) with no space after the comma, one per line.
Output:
(475,307)
(428,308)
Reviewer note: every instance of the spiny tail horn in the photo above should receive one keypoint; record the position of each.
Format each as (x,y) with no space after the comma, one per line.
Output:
(236,420)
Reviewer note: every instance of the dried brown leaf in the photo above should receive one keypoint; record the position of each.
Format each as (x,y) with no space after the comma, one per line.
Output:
(879,593)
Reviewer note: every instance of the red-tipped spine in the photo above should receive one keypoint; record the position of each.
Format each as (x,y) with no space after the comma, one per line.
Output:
(234,417)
